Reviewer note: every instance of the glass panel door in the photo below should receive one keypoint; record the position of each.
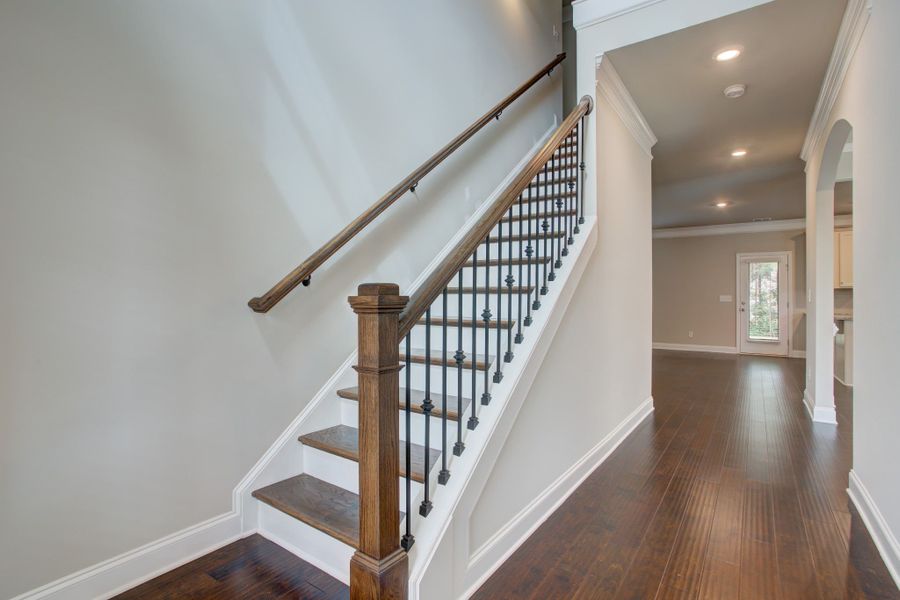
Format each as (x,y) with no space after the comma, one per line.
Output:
(763,305)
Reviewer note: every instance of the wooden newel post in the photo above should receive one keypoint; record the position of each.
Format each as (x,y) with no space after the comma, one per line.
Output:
(378,569)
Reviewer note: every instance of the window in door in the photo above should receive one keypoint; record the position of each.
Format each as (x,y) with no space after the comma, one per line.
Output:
(763,318)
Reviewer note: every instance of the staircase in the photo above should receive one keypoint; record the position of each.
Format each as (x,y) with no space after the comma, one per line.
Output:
(372,472)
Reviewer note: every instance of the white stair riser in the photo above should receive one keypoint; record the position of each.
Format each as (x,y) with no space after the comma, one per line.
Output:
(319,548)
(418,381)
(350,417)
(343,472)
(418,338)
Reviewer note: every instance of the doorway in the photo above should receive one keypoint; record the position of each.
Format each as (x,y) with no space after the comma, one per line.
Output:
(763,307)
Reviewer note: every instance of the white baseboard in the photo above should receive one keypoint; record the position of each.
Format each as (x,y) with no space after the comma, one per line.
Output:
(798,354)
(123,572)
(843,383)
(884,538)
(695,348)
(819,414)
(488,558)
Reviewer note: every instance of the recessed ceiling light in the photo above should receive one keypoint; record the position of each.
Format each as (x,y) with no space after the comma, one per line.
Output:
(735,91)
(728,54)
(721,204)
(739,153)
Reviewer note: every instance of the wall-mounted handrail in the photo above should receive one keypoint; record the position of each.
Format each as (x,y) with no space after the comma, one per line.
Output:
(432,287)
(305,270)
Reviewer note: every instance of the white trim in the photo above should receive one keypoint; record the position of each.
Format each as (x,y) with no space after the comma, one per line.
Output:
(611,87)
(798,354)
(500,546)
(842,382)
(819,414)
(731,229)
(881,533)
(591,12)
(742,228)
(123,572)
(856,16)
(483,446)
(695,348)
(788,256)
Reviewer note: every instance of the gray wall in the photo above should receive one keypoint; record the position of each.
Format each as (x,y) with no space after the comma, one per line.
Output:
(689,275)
(161,162)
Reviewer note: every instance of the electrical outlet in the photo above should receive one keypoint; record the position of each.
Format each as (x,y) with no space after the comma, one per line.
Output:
(691,333)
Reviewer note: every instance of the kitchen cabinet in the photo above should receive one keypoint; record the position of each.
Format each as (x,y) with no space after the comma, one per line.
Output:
(843,259)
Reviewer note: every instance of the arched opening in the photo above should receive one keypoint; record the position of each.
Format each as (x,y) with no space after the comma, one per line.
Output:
(822,276)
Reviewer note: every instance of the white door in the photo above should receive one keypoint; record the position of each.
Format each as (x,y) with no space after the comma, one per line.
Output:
(763,303)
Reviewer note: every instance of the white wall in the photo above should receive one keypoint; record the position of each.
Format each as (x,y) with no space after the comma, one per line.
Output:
(597,371)
(163,161)
(868,100)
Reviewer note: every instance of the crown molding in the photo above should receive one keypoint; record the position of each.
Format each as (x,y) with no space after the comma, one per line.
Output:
(590,12)
(611,87)
(739,228)
(856,16)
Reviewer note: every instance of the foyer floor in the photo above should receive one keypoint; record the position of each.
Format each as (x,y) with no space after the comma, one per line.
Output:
(729,491)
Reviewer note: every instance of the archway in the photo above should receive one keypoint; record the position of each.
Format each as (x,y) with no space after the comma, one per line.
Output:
(820,228)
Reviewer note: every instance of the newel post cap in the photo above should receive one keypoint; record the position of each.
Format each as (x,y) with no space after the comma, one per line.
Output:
(378,298)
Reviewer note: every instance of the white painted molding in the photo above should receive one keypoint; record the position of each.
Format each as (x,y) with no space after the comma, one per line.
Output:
(740,228)
(483,446)
(134,567)
(500,546)
(881,533)
(842,382)
(819,414)
(611,87)
(856,16)
(591,12)
(798,354)
(695,348)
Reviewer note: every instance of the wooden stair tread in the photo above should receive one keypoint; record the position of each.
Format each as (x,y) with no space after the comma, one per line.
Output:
(343,441)
(437,321)
(517,289)
(417,397)
(516,261)
(417,356)
(540,215)
(328,508)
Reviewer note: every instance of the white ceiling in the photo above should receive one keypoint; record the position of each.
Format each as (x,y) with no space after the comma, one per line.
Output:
(678,86)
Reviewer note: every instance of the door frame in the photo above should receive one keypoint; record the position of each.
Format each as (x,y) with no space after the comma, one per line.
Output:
(788,256)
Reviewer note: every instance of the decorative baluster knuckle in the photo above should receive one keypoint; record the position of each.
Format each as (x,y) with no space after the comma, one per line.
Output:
(379,568)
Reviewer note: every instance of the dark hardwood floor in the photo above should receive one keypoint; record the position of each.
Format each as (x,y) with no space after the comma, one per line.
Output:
(728,491)
(252,567)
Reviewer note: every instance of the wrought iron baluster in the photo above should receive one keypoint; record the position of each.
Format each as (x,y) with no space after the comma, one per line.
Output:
(498,374)
(545,227)
(571,201)
(486,317)
(581,176)
(529,251)
(408,540)
(510,280)
(427,407)
(473,416)
(550,208)
(519,337)
(444,474)
(459,357)
(558,204)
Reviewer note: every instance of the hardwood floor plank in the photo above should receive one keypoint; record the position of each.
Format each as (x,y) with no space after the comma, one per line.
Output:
(728,491)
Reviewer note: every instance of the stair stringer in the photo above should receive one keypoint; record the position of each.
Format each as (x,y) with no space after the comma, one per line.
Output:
(284,458)
(470,472)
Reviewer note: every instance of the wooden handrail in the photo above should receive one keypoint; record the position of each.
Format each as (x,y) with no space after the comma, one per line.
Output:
(441,276)
(304,271)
